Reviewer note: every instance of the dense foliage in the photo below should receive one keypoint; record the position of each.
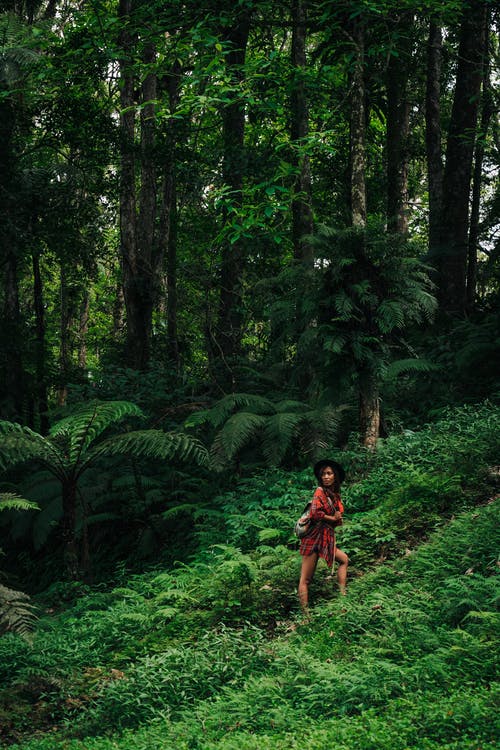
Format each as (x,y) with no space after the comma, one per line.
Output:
(236,237)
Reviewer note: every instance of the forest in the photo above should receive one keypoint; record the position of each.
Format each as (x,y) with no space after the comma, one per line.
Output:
(237,237)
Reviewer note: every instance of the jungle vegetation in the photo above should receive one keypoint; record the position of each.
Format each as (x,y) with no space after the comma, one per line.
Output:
(236,237)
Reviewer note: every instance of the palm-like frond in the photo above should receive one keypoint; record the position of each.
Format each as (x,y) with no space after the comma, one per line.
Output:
(80,430)
(17,614)
(15,58)
(222,409)
(390,315)
(399,366)
(279,431)
(152,444)
(320,428)
(239,429)
(11,501)
(291,405)
(20,444)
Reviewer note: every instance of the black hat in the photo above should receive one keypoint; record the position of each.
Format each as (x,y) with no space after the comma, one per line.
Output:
(320,465)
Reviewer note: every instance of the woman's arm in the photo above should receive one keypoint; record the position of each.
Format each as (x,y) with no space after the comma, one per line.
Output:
(320,510)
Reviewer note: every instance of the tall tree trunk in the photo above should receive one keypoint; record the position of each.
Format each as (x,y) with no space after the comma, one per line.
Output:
(137,230)
(369,409)
(128,247)
(11,323)
(357,127)
(452,258)
(398,120)
(302,215)
(433,135)
(171,267)
(83,331)
(12,340)
(65,324)
(41,385)
(118,312)
(233,171)
(168,216)
(70,551)
(369,403)
(487,111)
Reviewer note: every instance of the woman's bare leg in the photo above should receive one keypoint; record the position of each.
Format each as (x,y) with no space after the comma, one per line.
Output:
(343,562)
(309,563)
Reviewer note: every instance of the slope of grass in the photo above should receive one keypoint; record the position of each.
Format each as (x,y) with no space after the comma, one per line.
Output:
(213,654)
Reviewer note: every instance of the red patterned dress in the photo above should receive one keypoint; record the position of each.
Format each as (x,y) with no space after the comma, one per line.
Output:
(321,537)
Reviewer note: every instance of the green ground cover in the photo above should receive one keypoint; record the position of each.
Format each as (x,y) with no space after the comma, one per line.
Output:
(212,654)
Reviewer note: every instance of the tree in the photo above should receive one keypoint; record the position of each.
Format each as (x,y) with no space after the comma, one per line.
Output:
(302,215)
(398,120)
(357,124)
(232,263)
(433,134)
(451,261)
(371,290)
(277,427)
(76,442)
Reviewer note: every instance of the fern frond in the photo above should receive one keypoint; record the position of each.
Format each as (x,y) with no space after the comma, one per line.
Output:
(390,315)
(343,305)
(20,444)
(224,408)
(17,614)
(279,431)
(289,405)
(11,501)
(152,444)
(394,369)
(335,344)
(179,510)
(84,427)
(236,433)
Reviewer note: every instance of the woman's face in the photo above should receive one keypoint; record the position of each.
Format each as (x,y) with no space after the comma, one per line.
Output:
(327,476)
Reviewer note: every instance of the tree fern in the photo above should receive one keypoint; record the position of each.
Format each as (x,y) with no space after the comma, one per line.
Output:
(220,412)
(88,424)
(153,444)
(400,366)
(279,431)
(20,444)
(274,429)
(238,430)
(73,446)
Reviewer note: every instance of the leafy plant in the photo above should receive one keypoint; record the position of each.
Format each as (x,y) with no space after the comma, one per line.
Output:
(17,613)
(276,426)
(77,442)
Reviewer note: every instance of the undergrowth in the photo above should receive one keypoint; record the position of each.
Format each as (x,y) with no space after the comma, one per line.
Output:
(212,654)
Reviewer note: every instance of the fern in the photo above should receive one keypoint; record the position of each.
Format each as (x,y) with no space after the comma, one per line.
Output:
(390,315)
(400,366)
(11,501)
(17,614)
(236,433)
(279,431)
(222,410)
(88,424)
(274,428)
(153,444)
(20,444)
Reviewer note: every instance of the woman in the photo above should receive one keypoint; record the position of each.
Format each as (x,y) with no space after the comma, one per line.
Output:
(326,514)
